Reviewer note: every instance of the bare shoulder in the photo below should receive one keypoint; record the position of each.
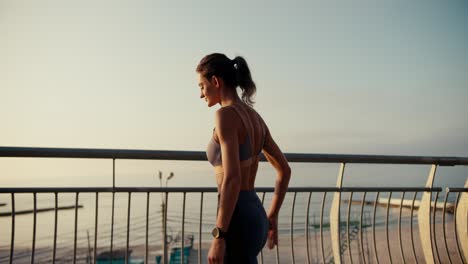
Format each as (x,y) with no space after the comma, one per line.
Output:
(225,114)
(226,118)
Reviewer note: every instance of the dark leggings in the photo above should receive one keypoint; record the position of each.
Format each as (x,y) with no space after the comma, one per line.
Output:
(248,230)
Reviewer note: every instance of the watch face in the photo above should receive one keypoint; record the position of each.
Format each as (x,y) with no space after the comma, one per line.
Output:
(215,232)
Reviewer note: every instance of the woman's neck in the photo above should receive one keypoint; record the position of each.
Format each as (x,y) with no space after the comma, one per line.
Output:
(229,98)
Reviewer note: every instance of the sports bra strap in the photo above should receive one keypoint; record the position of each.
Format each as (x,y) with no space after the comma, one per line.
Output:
(248,125)
(262,124)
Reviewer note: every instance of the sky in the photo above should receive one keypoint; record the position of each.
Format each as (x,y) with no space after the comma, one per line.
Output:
(351,77)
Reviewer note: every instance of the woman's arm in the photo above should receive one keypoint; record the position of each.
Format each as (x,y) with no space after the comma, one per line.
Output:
(226,127)
(277,159)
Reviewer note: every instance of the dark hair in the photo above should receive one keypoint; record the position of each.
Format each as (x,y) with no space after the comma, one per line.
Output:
(233,72)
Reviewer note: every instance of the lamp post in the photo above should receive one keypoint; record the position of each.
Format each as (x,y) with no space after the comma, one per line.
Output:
(164,216)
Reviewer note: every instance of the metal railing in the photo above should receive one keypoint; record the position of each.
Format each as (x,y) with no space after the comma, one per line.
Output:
(440,240)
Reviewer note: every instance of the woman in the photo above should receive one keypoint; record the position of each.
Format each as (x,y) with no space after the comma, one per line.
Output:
(242,225)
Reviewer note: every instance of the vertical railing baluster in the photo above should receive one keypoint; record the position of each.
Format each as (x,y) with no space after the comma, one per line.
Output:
(261,252)
(183,234)
(112,211)
(361,238)
(33,249)
(386,227)
(424,218)
(76,227)
(277,254)
(335,217)
(112,226)
(447,192)
(462,221)
(113,173)
(307,228)
(434,226)
(127,257)
(96,214)
(166,260)
(411,227)
(321,226)
(373,228)
(347,227)
(147,226)
(55,227)
(200,230)
(457,200)
(292,227)
(399,227)
(277,248)
(12,245)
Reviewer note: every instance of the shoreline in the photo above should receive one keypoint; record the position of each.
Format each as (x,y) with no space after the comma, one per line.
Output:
(40,210)
(407,203)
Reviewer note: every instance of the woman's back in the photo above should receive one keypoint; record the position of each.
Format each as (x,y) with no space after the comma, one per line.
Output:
(251,134)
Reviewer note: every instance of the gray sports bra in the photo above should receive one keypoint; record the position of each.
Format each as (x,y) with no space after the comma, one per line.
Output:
(213,151)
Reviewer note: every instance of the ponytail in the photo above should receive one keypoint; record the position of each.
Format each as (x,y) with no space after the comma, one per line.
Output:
(244,80)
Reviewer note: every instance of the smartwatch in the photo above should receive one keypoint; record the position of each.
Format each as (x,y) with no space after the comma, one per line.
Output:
(218,233)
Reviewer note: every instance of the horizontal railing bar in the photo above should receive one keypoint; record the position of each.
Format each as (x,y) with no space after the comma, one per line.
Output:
(450,189)
(214,189)
(86,153)
(201,156)
(107,189)
(390,189)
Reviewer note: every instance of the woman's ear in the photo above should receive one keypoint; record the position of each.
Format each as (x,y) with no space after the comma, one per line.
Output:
(215,81)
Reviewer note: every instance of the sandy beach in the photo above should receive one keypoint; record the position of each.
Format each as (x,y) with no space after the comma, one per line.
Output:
(315,255)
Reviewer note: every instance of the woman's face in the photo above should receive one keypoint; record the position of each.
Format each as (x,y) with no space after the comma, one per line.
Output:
(209,90)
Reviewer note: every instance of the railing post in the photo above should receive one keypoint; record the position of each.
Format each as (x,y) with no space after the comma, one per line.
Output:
(335,218)
(165,249)
(424,218)
(462,223)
